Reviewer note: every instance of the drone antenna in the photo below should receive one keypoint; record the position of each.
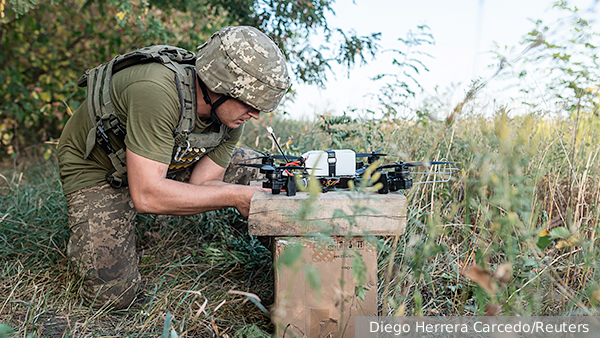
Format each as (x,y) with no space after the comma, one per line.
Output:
(270,130)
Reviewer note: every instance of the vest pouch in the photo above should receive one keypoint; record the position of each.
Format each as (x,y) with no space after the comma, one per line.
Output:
(196,146)
(207,141)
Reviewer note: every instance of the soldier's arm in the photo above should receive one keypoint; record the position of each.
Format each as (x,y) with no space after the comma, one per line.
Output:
(207,172)
(153,193)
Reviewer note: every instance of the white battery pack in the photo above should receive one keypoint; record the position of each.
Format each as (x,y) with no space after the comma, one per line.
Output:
(331,163)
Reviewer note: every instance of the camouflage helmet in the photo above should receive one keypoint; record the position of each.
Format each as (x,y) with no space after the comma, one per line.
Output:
(244,63)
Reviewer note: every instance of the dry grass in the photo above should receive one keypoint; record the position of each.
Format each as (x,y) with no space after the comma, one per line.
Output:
(516,182)
(188,264)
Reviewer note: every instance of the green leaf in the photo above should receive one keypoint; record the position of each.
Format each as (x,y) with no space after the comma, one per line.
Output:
(360,292)
(290,254)
(259,305)
(543,242)
(560,232)
(359,269)
(313,277)
(167,325)
(251,331)
(5,329)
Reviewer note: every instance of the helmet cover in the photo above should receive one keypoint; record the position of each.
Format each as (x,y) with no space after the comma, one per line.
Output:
(244,63)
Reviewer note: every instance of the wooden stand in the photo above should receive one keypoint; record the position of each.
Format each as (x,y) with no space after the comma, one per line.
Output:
(351,221)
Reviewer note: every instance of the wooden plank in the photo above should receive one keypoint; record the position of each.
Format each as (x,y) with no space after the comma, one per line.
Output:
(278,215)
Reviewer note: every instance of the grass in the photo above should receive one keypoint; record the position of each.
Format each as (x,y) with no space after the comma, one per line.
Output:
(523,212)
(185,261)
(514,233)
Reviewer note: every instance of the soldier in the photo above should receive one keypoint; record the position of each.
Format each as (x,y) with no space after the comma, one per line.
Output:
(147,126)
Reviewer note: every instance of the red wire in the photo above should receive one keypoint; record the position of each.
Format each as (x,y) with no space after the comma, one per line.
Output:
(295,163)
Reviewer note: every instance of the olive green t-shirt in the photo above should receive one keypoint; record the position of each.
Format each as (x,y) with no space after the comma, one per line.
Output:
(147,103)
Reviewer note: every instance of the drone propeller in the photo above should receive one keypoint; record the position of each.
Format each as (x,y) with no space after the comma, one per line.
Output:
(264,167)
(274,157)
(264,154)
(373,156)
(291,167)
(374,153)
(426,163)
(267,167)
(369,154)
(289,157)
(413,164)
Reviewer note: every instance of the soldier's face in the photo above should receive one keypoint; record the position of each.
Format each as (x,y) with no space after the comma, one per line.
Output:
(234,113)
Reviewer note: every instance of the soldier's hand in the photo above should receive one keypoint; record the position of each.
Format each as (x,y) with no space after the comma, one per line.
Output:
(246,193)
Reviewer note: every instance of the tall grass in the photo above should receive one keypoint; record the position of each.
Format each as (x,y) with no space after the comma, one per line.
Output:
(518,180)
(514,233)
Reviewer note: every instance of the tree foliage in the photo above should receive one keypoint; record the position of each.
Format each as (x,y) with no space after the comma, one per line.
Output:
(45,45)
(565,58)
(407,66)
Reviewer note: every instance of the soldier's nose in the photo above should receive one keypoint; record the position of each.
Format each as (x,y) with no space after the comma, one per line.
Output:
(255,114)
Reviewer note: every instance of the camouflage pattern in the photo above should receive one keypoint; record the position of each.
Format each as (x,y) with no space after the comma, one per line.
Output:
(244,63)
(235,173)
(102,245)
(239,174)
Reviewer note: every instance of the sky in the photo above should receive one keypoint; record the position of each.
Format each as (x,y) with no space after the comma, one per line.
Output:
(465,31)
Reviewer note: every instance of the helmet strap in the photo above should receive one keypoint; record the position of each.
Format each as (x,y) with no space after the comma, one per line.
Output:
(213,106)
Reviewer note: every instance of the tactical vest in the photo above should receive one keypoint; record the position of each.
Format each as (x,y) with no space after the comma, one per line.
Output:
(188,148)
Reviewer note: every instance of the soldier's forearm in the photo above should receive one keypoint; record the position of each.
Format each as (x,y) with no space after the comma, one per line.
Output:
(176,198)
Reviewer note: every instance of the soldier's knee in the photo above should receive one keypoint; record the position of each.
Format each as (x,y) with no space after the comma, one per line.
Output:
(103,247)
(240,174)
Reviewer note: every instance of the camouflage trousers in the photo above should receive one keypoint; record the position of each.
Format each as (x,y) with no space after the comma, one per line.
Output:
(102,221)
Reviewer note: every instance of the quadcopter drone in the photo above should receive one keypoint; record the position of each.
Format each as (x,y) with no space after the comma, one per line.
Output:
(336,168)
(393,177)
(279,177)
